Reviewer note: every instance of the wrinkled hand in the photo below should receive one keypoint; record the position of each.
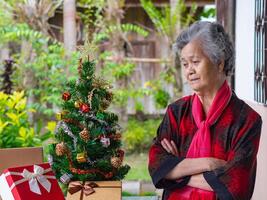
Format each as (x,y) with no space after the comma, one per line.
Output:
(169,146)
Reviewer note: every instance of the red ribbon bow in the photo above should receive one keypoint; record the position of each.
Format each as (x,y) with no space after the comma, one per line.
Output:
(86,188)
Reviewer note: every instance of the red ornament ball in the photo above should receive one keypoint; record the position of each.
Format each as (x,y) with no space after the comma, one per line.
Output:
(109,175)
(84,108)
(66,96)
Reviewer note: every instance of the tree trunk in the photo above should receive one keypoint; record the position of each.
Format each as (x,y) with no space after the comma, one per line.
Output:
(69,23)
(174,57)
(114,15)
(4,53)
(29,81)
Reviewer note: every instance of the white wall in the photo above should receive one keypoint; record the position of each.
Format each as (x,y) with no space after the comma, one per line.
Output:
(260,192)
(245,84)
(244,80)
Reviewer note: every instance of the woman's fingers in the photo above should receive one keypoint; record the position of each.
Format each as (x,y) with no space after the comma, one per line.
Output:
(174,147)
(165,146)
(170,147)
(168,144)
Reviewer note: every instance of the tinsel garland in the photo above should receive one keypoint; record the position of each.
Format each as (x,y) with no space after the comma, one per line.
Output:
(90,96)
(64,126)
(85,171)
(93,118)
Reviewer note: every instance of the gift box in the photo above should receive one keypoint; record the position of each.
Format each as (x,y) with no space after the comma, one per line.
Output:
(30,182)
(97,190)
(15,157)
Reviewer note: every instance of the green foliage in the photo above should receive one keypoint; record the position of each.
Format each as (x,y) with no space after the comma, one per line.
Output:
(121,96)
(138,163)
(127,28)
(139,134)
(92,12)
(124,70)
(5,15)
(161,97)
(118,70)
(156,88)
(15,129)
(208,13)
(167,20)
(93,17)
(128,194)
(39,64)
(46,67)
(18,32)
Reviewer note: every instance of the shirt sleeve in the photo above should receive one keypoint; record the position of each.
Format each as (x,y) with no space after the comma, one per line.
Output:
(160,161)
(237,178)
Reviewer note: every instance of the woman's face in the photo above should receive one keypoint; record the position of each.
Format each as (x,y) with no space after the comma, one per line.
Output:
(201,74)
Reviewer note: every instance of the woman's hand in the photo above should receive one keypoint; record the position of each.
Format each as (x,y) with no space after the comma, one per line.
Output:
(198,181)
(170,147)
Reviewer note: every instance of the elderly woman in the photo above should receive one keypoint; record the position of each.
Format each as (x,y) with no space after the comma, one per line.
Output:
(207,143)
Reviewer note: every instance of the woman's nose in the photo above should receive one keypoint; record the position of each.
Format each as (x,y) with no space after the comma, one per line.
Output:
(191,69)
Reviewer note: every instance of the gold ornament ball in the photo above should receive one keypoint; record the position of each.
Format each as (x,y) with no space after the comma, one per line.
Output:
(61,149)
(116,162)
(59,116)
(77,104)
(81,157)
(84,134)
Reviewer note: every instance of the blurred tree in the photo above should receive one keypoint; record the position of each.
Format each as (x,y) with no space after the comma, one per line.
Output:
(38,56)
(108,34)
(168,21)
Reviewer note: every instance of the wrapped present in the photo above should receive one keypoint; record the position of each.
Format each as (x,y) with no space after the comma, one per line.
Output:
(15,157)
(98,190)
(30,182)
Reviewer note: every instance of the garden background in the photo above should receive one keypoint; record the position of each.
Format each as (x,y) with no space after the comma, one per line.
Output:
(130,41)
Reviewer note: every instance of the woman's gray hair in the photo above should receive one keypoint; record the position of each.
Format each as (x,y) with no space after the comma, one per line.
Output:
(215,43)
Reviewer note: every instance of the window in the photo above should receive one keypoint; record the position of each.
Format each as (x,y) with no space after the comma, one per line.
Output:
(260,59)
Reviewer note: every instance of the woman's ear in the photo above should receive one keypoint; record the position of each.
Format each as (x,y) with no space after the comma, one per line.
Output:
(221,66)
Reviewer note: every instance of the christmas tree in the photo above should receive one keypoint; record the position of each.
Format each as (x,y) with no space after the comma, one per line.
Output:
(88,136)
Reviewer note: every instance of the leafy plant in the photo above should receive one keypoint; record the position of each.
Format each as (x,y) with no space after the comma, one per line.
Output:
(139,134)
(45,67)
(208,13)
(118,70)
(15,129)
(167,20)
(125,28)
(161,97)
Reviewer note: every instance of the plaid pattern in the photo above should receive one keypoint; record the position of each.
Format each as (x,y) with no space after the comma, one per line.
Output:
(234,137)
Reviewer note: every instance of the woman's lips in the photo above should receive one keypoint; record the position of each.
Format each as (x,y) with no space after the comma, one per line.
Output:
(194,79)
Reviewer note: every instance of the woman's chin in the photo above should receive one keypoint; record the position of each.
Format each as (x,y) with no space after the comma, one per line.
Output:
(198,90)
(195,87)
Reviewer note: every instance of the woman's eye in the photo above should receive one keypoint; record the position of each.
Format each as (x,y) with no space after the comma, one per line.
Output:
(196,62)
(185,65)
